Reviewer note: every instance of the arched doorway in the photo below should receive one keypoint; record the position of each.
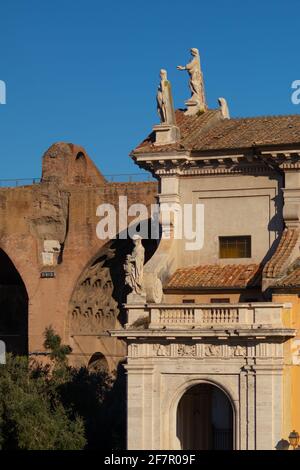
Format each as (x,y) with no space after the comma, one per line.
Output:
(205,419)
(13,307)
(98,363)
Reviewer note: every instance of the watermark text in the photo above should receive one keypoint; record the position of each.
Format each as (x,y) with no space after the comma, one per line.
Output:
(167,220)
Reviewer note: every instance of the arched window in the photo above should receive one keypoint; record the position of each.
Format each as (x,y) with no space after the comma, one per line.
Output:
(80,168)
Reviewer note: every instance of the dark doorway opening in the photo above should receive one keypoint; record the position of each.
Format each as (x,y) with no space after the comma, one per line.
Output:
(13,308)
(205,419)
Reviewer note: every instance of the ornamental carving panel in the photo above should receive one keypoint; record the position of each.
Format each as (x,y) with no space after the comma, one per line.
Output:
(213,350)
(162,350)
(92,307)
(186,350)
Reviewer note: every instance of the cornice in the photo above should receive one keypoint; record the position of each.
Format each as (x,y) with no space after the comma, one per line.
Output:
(189,164)
(199,333)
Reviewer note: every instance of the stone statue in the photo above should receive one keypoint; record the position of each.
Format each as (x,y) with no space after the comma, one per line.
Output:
(224,108)
(134,267)
(197,101)
(165,106)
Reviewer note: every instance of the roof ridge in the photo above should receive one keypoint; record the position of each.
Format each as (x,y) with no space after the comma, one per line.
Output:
(265,116)
(260,116)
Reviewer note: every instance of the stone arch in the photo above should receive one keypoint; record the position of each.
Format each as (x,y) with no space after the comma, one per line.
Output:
(98,363)
(204,419)
(172,406)
(13,307)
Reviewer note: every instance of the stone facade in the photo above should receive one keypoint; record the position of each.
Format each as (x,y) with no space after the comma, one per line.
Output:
(48,236)
(238,349)
(213,330)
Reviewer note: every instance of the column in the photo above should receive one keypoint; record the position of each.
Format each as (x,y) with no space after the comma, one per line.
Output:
(251,411)
(264,409)
(139,407)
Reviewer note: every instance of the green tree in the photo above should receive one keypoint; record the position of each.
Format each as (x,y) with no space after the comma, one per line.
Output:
(58,407)
(31,415)
(58,352)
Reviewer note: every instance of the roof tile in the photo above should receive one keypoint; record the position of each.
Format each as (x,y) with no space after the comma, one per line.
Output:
(292,279)
(214,276)
(280,260)
(208,131)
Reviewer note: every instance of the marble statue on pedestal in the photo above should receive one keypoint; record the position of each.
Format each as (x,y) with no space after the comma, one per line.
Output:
(197,102)
(165,106)
(134,267)
(166,132)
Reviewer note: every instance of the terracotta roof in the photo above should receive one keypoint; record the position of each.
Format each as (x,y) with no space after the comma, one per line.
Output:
(209,131)
(191,128)
(216,276)
(280,260)
(292,279)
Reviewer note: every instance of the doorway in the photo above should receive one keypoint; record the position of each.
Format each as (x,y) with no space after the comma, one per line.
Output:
(205,419)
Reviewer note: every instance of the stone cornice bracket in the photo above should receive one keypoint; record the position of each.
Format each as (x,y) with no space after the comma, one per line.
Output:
(185,163)
(282,159)
(291,212)
(291,196)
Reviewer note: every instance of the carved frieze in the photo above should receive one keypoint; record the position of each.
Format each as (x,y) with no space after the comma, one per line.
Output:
(207,351)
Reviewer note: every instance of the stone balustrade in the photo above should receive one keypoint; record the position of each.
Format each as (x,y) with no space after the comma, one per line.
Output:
(207,315)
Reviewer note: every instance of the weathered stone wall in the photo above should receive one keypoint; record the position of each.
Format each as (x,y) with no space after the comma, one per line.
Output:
(51,227)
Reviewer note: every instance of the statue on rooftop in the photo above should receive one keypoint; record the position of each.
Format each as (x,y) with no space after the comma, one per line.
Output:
(224,108)
(165,106)
(197,102)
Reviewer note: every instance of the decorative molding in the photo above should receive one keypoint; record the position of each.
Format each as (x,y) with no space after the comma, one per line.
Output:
(210,170)
(190,164)
(206,351)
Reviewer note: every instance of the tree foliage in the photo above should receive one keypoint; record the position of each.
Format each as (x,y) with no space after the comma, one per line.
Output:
(58,407)
(58,352)
(31,414)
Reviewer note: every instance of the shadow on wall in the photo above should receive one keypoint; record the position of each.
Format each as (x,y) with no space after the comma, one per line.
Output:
(101,401)
(13,307)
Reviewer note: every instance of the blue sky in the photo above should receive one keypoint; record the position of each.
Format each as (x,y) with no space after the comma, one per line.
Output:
(87,71)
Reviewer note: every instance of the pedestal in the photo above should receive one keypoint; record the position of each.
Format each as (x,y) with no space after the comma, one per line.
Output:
(166,134)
